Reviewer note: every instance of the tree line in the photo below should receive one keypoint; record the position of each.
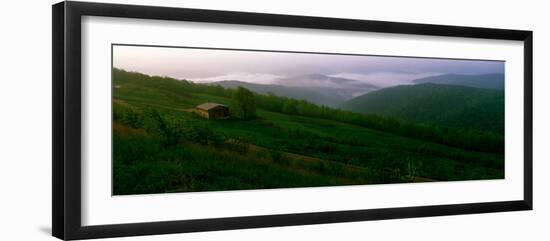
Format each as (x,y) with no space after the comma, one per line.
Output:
(464,138)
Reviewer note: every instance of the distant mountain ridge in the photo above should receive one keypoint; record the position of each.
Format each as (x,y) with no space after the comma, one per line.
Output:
(315,88)
(445,105)
(343,87)
(323,80)
(312,96)
(486,81)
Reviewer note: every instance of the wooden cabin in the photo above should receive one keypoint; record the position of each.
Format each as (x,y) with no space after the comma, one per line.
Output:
(212,111)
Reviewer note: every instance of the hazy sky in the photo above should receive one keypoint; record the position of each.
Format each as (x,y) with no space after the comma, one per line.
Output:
(201,65)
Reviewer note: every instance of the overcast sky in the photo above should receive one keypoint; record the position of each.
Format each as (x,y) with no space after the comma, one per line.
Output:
(202,65)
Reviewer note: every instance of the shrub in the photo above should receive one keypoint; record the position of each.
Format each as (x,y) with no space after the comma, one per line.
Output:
(239,145)
(203,135)
(277,157)
(170,129)
(128,115)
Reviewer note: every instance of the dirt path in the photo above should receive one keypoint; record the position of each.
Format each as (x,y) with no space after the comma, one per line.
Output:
(310,159)
(123,102)
(424,179)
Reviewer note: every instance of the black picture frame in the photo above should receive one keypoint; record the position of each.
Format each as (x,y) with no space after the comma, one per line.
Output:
(66,128)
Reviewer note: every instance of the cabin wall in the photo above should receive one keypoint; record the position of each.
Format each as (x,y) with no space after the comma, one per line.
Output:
(218,113)
(215,113)
(203,113)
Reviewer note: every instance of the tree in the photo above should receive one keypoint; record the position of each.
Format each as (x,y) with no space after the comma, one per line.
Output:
(289,107)
(243,104)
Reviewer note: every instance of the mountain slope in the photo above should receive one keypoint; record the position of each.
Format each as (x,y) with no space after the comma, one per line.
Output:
(310,146)
(487,81)
(445,105)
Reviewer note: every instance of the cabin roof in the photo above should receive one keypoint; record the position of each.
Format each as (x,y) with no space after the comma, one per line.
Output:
(209,106)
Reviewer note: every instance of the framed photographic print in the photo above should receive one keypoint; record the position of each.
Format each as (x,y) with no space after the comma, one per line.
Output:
(170,120)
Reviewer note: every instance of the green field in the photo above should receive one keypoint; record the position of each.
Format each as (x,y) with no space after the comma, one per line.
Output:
(160,145)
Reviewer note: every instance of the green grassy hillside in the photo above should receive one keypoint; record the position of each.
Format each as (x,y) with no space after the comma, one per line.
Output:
(444,105)
(160,145)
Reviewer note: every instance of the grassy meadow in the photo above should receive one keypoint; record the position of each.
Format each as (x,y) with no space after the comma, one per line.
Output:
(160,145)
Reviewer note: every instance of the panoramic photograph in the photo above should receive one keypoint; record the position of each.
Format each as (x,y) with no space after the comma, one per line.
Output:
(201,119)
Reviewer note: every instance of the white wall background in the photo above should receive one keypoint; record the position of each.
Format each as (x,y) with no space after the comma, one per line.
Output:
(25,120)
